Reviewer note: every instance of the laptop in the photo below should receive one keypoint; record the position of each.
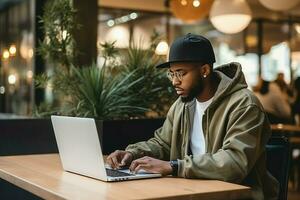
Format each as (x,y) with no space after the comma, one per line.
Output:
(80,150)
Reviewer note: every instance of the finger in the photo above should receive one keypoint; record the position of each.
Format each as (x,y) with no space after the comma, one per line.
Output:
(108,161)
(132,166)
(126,159)
(109,156)
(112,163)
(146,158)
(145,167)
(115,162)
(135,163)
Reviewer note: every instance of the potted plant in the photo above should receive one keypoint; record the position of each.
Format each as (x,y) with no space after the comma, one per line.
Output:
(122,95)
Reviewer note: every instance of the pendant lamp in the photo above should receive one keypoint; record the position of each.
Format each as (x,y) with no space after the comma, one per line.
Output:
(230,16)
(190,11)
(279,5)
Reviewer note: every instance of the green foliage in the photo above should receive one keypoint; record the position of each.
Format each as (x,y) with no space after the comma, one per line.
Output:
(59,26)
(41,81)
(45,109)
(155,90)
(104,97)
(127,85)
(92,92)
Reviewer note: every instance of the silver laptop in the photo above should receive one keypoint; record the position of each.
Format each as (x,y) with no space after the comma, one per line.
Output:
(80,151)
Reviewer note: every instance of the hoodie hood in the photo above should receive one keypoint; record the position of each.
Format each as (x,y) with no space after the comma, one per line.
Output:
(231,78)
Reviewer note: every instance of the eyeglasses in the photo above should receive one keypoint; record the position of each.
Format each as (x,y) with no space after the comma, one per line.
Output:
(177,74)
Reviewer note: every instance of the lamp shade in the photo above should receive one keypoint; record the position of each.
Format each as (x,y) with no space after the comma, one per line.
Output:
(230,16)
(190,10)
(162,48)
(279,5)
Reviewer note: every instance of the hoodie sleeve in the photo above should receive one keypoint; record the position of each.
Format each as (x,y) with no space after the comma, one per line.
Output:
(243,145)
(158,146)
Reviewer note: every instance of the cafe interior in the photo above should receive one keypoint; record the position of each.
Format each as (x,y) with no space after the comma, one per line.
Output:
(40,37)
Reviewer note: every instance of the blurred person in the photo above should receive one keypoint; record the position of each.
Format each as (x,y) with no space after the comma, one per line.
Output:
(296,103)
(257,87)
(274,102)
(284,87)
(216,129)
(281,82)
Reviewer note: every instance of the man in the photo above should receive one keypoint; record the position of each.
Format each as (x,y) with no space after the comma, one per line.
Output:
(217,129)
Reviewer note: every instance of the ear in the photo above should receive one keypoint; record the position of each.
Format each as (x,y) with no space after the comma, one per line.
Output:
(205,70)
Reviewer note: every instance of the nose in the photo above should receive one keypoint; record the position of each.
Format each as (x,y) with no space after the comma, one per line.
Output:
(175,81)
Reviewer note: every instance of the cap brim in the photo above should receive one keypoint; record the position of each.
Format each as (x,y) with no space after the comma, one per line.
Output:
(164,65)
(167,64)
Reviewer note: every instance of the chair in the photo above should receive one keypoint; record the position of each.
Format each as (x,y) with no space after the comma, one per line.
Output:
(295,163)
(278,162)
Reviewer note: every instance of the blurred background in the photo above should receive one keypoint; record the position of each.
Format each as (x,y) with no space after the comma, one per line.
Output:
(97,59)
(262,35)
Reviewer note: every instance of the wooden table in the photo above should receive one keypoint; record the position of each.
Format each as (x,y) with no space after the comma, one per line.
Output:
(286,130)
(43,176)
(285,127)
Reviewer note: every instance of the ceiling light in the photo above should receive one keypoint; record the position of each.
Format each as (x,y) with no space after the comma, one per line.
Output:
(29,74)
(133,15)
(5,54)
(230,16)
(297,27)
(12,49)
(196,3)
(183,2)
(110,23)
(162,48)
(12,79)
(124,18)
(190,11)
(2,90)
(279,5)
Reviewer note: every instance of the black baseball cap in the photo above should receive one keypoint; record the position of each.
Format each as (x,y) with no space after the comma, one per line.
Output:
(190,48)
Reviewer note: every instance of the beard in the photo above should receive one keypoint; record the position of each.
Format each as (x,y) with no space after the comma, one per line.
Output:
(194,92)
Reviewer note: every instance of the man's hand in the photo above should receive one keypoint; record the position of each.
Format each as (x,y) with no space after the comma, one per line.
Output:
(151,165)
(119,159)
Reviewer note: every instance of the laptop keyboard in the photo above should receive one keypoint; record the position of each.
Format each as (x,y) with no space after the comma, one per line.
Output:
(116,173)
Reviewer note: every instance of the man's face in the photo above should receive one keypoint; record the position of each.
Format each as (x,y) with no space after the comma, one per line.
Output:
(191,83)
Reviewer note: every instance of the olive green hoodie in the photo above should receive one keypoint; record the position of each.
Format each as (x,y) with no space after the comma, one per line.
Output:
(236,131)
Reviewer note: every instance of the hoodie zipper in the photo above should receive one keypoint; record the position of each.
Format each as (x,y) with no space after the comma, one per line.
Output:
(205,129)
(207,132)
(185,134)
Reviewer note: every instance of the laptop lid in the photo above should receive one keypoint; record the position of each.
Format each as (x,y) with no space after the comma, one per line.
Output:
(79,147)
(80,150)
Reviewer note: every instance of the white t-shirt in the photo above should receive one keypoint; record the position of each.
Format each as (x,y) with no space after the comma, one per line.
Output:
(197,141)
